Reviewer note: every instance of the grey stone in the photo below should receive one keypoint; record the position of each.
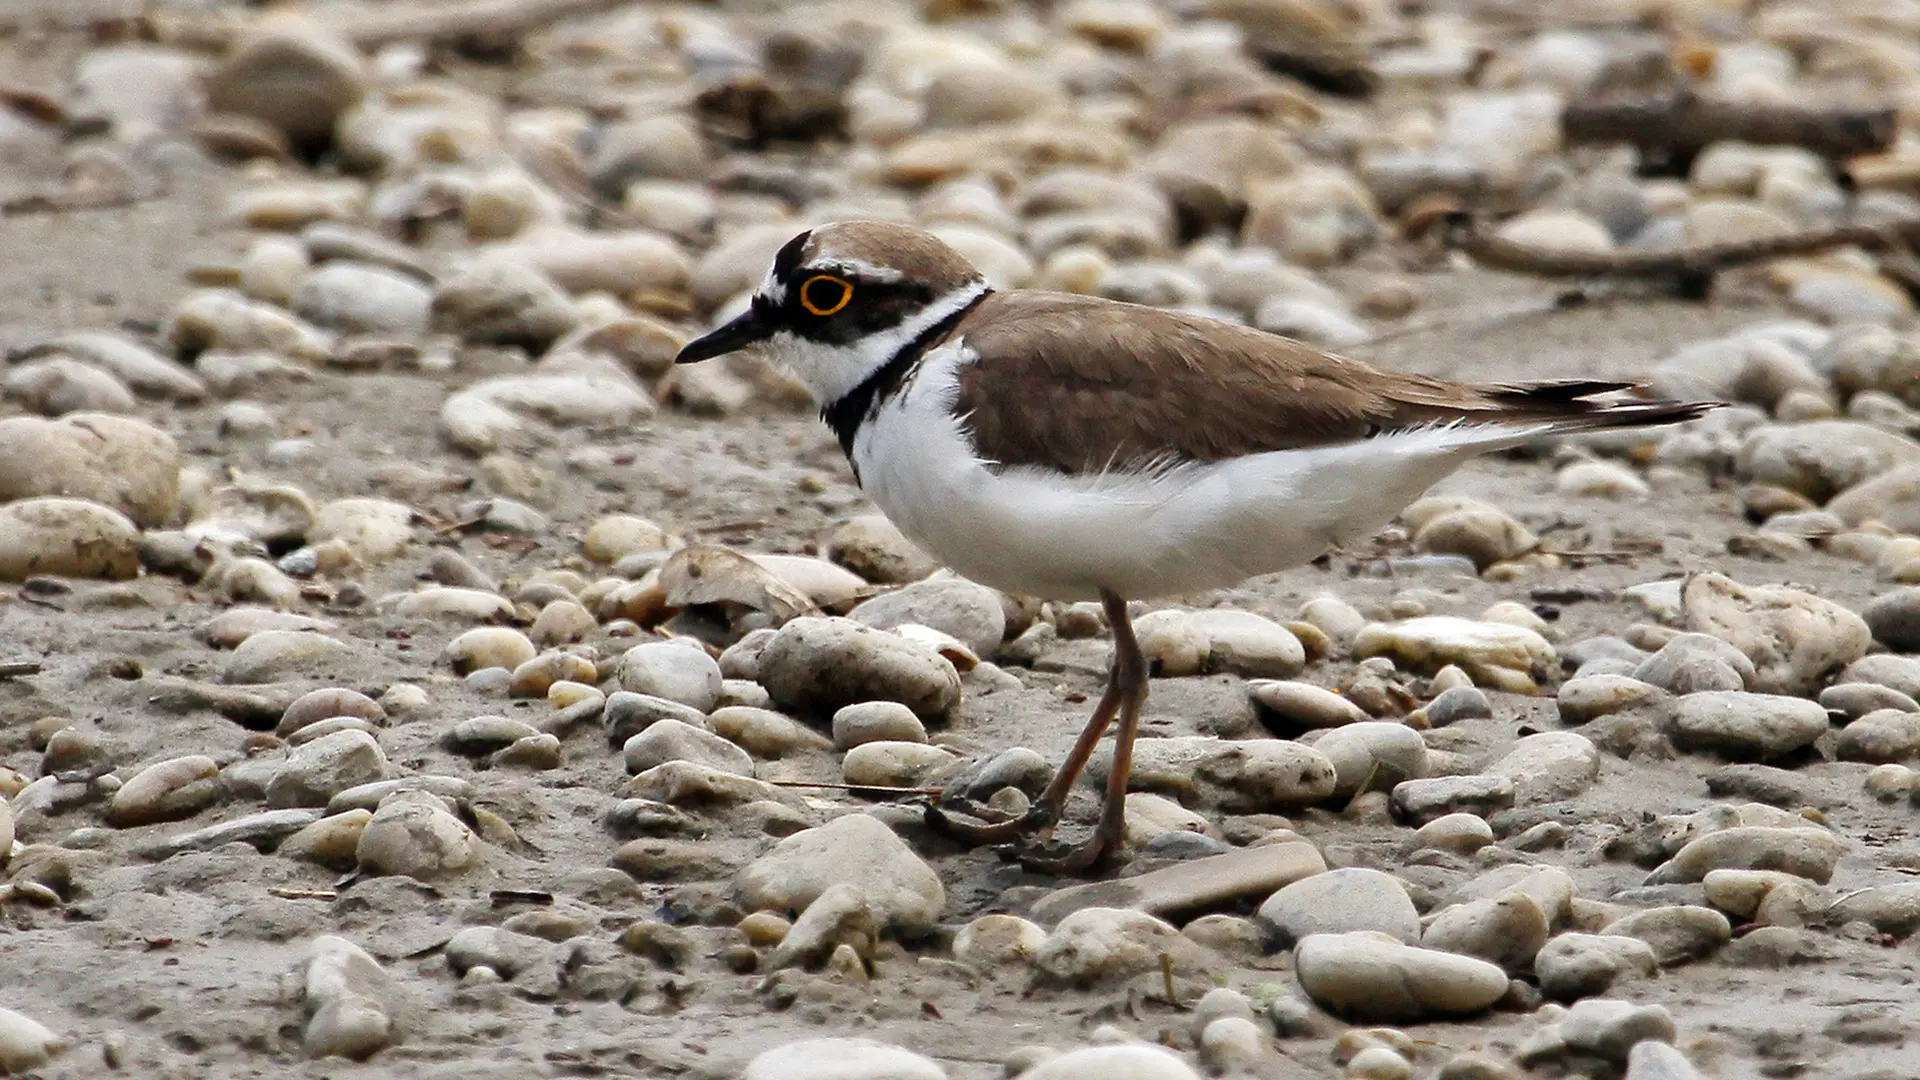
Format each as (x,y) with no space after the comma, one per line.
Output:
(672,740)
(905,892)
(970,612)
(1339,901)
(1580,965)
(1364,977)
(1742,726)
(818,665)
(1420,801)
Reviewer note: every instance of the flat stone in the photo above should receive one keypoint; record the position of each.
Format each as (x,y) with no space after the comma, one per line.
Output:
(1678,933)
(1130,1061)
(1809,853)
(262,831)
(841,1058)
(968,611)
(1195,885)
(1549,766)
(1742,726)
(1420,801)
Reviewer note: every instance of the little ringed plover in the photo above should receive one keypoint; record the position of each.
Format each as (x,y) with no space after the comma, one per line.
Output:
(1070,447)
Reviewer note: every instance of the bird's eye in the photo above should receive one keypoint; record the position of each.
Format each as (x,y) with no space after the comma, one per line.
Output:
(824,294)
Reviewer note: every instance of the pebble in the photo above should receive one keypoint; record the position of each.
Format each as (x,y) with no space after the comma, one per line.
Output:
(841,1058)
(1600,480)
(1894,619)
(1374,755)
(672,740)
(273,655)
(1508,930)
(1339,901)
(1795,639)
(1192,885)
(763,732)
(819,665)
(1126,1061)
(1460,833)
(991,942)
(627,713)
(118,462)
(488,647)
(166,791)
(1484,534)
(65,538)
(895,764)
(969,612)
(1249,645)
(412,834)
(876,721)
(330,841)
(1458,703)
(1852,701)
(876,550)
(292,73)
(1174,642)
(1252,774)
(1496,655)
(905,892)
(1652,1059)
(676,672)
(1100,944)
(1742,726)
(1292,707)
(501,302)
(318,770)
(1884,735)
(1678,934)
(1575,965)
(1691,663)
(1421,801)
(1549,766)
(462,605)
(25,1043)
(1610,1028)
(1367,977)
(323,704)
(359,299)
(349,1001)
(56,386)
(1807,852)
(840,916)
(211,321)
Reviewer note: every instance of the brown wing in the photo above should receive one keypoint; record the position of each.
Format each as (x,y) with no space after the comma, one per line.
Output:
(1079,384)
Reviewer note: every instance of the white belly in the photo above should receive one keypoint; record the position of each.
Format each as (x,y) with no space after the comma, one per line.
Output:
(1179,530)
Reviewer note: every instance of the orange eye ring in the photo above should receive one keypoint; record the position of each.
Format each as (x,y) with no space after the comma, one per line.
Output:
(808,301)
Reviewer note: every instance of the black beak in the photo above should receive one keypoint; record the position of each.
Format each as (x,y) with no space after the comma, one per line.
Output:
(744,330)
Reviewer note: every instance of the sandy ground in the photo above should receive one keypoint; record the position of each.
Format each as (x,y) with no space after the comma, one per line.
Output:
(182,968)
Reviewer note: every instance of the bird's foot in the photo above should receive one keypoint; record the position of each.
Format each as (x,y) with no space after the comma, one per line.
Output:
(1061,859)
(1036,820)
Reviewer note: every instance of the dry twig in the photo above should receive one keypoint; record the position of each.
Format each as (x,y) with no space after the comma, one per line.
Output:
(1677,128)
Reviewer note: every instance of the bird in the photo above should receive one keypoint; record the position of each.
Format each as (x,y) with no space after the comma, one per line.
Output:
(1070,447)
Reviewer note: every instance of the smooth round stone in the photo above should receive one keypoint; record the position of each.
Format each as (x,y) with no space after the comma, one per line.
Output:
(1678,934)
(1745,727)
(673,740)
(1249,645)
(1692,663)
(1855,700)
(1339,901)
(970,612)
(58,385)
(1369,977)
(166,791)
(480,735)
(488,647)
(1173,641)
(1600,480)
(1507,930)
(876,721)
(894,764)
(1130,1061)
(1483,534)
(763,732)
(414,835)
(992,941)
(1549,766)
(536,677)
(845,1058)
(819,665)
(66,538)
(1884,735)
(1458,703)
(501,302)
(1580,965)
(1890,781)
(1234,774)
(331,841)
(316,771)
(1232,1044)
(616,536)
(903,889)
(1374,754)
(363,299)
(25,1043)
(1424,800)
(1609,1028)
(1462,834)
(874,548)
(1589,697)
(675,672)
(317,705)
(1292,707)
(1096,944)
(1808,852)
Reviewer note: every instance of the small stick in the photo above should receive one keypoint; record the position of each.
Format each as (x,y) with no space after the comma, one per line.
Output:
(855,787)
(14,669)
(1684,124)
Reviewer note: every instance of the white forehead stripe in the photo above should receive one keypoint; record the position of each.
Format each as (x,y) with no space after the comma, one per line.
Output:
(860,268)
(772,289)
